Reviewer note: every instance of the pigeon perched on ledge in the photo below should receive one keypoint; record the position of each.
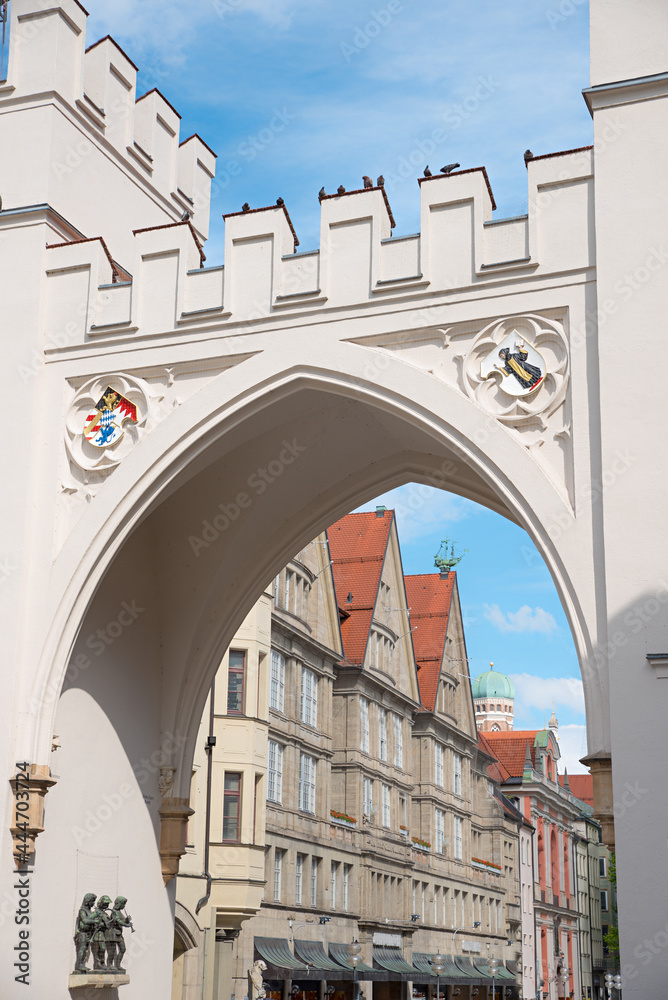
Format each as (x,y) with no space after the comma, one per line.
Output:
(427,171)
(322,193)
(528,155)
(340,189)
(380,182)
(448,168)
(368,183)
(245,207)
(280,202)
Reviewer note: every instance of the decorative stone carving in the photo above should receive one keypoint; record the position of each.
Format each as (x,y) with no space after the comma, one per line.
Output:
(166,780)
(174,814)
(256,990)
(547,337)
(29,786)
(97,462)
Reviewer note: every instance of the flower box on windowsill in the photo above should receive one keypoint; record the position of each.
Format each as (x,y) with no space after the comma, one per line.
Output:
(420,845)
(403,830)
(341,819)
(487,866)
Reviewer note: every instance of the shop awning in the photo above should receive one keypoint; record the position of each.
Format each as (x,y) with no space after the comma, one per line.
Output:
(392,960)
(314,953)
(422,961)
(466,968)
(501,972)
(340,954)
(277,952)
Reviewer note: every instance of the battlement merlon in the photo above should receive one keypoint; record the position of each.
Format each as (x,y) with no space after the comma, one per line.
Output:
(459,248)
(107,161)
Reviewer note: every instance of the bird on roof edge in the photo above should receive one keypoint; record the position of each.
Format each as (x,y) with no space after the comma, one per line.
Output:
(528,155)
(427,171)
(340,189)
(368,183)
(280,202)
(322,193)
(245,207)
(380,182)
(449,167)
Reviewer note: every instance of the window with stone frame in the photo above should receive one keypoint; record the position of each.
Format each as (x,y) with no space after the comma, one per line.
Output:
(309,698)
(274,771)
(307,771)
(364,725)
(277,681)
(438,764)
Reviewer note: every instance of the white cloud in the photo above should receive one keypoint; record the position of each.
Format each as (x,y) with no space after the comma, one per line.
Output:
(525,620)
(572,746)
(423,511)
(532,692)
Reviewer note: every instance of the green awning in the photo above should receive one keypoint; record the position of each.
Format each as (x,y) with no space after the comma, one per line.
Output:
(501,972)
(277,952)
(314,953)
(422,961)
(392,960)
(466,968)
(339,952)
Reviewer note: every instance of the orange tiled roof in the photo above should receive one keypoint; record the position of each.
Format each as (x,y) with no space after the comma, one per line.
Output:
(358,543)
(582,787)
(497,771)
(510,749)
(429,598)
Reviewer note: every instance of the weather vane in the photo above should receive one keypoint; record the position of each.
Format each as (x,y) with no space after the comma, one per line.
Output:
(445,562)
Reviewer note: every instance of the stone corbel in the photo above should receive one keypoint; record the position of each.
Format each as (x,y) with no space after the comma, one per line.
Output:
(600,765)
(29,787)
(174,815)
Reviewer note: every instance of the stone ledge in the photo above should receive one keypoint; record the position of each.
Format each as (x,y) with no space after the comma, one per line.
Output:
(97,980)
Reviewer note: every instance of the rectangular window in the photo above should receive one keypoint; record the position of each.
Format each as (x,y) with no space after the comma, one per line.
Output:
(458,837)
(602,868)
(386,805)
(277,686)
(274,771)
(278,872)
(364,724)
(277,583)
(299,879)
(367,797)
(332,884)
(314,881)
(235,682)
(398,742)
(287,590)
(604,899)
(231,807)
(345,896)
(306,783)
(457,774)
(438,764)
(455,909)
(309,700)
(439,845)
(382,734)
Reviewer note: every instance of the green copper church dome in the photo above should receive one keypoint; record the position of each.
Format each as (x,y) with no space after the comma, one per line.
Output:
(492,684)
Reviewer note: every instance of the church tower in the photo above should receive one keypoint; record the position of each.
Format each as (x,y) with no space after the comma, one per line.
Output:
(493,697)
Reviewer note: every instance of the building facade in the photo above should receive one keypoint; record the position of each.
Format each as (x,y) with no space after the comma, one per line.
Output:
(380,822)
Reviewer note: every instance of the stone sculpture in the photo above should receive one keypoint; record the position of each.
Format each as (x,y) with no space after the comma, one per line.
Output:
(256,989)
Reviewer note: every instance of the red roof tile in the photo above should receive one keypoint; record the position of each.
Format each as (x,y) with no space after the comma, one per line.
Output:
(510,749)
(497,770)
(429,598)
(582,787)
(358,543)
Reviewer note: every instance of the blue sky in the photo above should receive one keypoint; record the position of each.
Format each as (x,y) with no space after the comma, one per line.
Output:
(296,94)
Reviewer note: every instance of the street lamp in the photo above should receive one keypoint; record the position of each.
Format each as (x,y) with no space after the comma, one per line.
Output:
(612,983)
(438,968)
(354,949)
(493,964)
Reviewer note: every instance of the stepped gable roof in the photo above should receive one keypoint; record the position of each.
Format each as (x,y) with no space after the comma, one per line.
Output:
(429,598)
(510,749)
(358,543)
(582,787)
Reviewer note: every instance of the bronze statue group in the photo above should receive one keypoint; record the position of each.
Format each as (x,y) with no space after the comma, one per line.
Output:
(100,930)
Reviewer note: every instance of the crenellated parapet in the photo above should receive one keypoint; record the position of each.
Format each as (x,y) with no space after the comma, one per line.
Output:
(359,261)
(119,153)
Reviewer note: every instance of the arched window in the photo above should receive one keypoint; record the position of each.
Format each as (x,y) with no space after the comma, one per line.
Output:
(554,860)
(541,857)
(496,728)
